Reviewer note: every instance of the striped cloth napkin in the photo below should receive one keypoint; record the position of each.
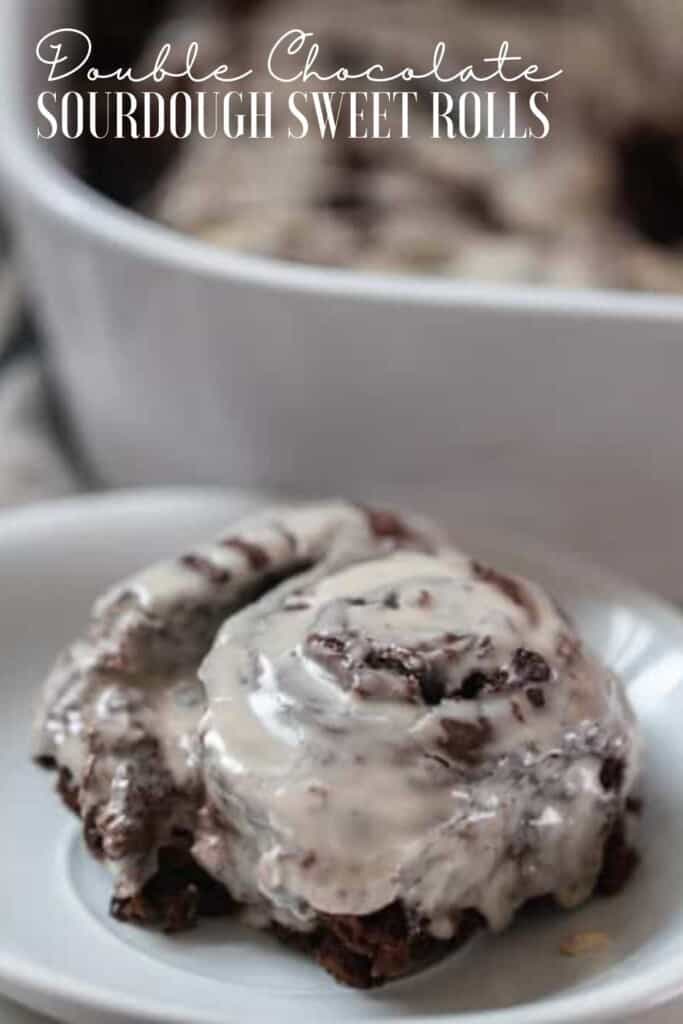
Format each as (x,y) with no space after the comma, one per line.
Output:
(34,464)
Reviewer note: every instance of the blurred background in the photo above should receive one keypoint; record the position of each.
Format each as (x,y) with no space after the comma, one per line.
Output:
(596,204)
(36,459)
(479,328)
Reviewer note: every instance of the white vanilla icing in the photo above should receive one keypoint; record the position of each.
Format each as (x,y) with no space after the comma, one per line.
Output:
(345,803)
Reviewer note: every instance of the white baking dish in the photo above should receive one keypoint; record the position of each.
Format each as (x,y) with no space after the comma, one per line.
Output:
(557,411)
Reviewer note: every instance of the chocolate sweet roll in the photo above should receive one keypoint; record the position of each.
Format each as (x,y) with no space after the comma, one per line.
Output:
(335,723)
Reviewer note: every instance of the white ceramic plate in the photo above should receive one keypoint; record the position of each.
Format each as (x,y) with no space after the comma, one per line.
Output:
(59,951)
